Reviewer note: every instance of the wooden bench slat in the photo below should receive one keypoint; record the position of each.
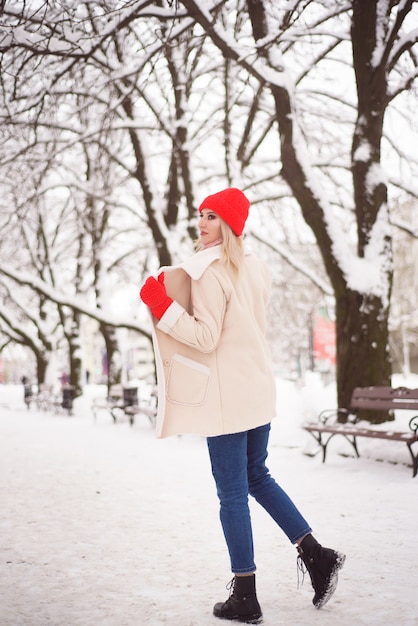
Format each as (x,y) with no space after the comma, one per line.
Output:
(386,392)
(379,403)
(362,432)
(385,398)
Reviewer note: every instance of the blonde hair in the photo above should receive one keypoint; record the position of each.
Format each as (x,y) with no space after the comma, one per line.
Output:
(232,248)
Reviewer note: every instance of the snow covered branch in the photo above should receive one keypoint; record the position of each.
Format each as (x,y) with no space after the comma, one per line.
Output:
(77,304)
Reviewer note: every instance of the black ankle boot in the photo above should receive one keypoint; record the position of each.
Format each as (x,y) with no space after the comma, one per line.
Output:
(242,604)
(322,565)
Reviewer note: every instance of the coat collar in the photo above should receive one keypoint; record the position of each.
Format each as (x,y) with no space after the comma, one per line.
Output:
(196,265)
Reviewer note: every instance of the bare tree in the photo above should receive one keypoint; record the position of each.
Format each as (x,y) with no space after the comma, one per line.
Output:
(295,103)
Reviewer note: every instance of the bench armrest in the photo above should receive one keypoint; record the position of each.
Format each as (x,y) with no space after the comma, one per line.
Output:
(413,424)
(332,415)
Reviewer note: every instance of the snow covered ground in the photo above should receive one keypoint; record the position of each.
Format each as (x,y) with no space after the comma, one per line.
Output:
(104,525)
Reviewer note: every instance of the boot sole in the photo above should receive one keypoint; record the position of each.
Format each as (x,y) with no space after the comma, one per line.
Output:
(251,619)
(333,581)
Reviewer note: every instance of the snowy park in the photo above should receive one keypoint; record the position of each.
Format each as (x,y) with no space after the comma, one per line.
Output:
(103,524)
(117,120)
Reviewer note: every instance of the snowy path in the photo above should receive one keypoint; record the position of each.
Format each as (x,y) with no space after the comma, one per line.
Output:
(104,525)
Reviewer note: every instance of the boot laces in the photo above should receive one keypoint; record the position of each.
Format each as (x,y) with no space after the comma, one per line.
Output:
(230,586)
(301,570)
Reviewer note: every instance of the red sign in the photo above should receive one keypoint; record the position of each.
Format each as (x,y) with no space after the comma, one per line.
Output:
(323,337)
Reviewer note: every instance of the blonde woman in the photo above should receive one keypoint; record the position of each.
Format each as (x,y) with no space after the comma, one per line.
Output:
(215,378)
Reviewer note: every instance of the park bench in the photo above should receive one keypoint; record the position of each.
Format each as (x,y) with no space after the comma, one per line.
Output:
(136,409)
(114,400)
(63,402)
(123,401)
(46,399)
(369,398)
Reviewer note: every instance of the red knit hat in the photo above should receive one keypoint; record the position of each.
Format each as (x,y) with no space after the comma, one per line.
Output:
(231,205)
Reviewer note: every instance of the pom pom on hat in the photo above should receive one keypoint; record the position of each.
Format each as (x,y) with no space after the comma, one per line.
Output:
(231,205)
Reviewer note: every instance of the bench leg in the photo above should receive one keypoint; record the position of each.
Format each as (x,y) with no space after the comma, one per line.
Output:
(351,439)
(112,413)
(318,440)
(324,447)
(414,460)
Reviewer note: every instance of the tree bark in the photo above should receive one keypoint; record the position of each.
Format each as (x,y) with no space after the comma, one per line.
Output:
(362,349)
(41,366)
(114,374)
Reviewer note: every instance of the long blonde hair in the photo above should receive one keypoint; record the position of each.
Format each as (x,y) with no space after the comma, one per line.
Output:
(232,248)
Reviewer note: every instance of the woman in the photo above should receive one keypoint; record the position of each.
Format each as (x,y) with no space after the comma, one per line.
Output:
(215,378)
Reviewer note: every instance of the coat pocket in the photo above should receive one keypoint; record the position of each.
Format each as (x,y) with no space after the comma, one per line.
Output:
(187,381)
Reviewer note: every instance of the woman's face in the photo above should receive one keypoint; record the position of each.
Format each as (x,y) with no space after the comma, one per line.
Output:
(209,227)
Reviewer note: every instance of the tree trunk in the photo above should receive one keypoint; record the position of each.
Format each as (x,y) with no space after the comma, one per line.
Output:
(41,367)
(75,363)
(114,374)
(362,349)
(361,318)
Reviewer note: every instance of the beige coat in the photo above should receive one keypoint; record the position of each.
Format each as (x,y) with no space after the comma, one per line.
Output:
(213,363)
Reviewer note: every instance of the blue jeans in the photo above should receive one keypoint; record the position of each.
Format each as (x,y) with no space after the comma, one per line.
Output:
(239,468)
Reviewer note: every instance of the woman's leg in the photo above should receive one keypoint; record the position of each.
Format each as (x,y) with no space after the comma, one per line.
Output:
(228,455)
(267,492)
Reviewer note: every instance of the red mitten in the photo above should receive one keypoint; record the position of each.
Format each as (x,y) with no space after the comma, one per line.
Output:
(154,295)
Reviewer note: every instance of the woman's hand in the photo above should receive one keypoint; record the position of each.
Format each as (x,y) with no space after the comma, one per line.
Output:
(154,295)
